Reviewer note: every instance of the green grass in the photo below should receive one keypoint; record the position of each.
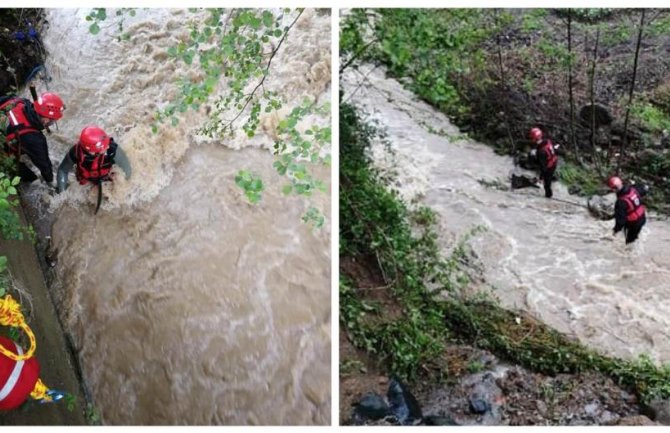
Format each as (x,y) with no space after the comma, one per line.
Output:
(651,117)
(574,175)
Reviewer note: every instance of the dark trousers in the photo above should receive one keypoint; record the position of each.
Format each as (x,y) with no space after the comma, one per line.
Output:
(25,173)
(548,177)
(35,146)
(632,230)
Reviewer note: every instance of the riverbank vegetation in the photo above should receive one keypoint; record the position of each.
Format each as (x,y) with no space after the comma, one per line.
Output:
(404,304)
(594,80)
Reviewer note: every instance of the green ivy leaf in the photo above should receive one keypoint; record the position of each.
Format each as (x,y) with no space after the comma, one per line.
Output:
(267,18)
(255,23)
(256,185)
(94,29)
(188,57)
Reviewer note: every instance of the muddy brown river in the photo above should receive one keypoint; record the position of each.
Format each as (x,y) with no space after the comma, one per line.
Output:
(187,304)
(546,257)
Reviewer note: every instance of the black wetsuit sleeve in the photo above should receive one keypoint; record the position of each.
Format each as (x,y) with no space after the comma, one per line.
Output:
(121,159)
(73,154)
(35,146)
(64,169)
(620,211)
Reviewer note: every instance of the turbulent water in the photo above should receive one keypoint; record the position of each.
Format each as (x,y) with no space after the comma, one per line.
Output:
(543,256)
(188,305)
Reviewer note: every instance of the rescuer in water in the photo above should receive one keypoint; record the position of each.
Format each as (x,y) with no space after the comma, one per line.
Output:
(629,212)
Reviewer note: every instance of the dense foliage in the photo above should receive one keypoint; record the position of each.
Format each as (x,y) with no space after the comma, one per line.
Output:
(374,222)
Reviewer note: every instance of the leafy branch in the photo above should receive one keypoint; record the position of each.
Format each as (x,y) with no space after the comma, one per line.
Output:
(97,15)
(241,48)
(251,184)
(10,224)
(253,123)
(296,149)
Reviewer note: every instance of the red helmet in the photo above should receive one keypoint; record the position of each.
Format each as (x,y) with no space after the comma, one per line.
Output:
(49,105)
(615,183)
(94,140)
(535,134)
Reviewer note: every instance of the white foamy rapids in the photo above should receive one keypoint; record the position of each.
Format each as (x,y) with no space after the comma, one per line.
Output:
(187,304)
(119,85)
(543,256)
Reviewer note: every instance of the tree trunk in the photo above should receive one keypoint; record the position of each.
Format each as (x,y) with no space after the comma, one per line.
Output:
(503,83)
(596,157)
(573,138)
(624,140)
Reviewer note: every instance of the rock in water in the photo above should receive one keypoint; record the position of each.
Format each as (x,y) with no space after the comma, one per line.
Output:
(403,404)
(523,181)
(602,206)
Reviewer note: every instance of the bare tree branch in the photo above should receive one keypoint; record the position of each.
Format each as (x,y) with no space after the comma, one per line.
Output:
(624,140)
(265,73)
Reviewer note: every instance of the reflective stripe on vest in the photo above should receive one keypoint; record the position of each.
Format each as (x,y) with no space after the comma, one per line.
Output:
(19,123)
(635,209)
(548,149)
(12,118)
(13,378)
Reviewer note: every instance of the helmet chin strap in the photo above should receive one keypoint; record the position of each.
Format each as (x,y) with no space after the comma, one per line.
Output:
(47,122)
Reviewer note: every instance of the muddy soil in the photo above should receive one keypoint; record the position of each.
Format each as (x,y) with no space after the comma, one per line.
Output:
(58,367)
(510,395)
(465,378)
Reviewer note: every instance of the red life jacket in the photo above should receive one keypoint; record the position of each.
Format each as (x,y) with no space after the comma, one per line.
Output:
(548,149)
(18,123)
(634,208)
(94,167)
